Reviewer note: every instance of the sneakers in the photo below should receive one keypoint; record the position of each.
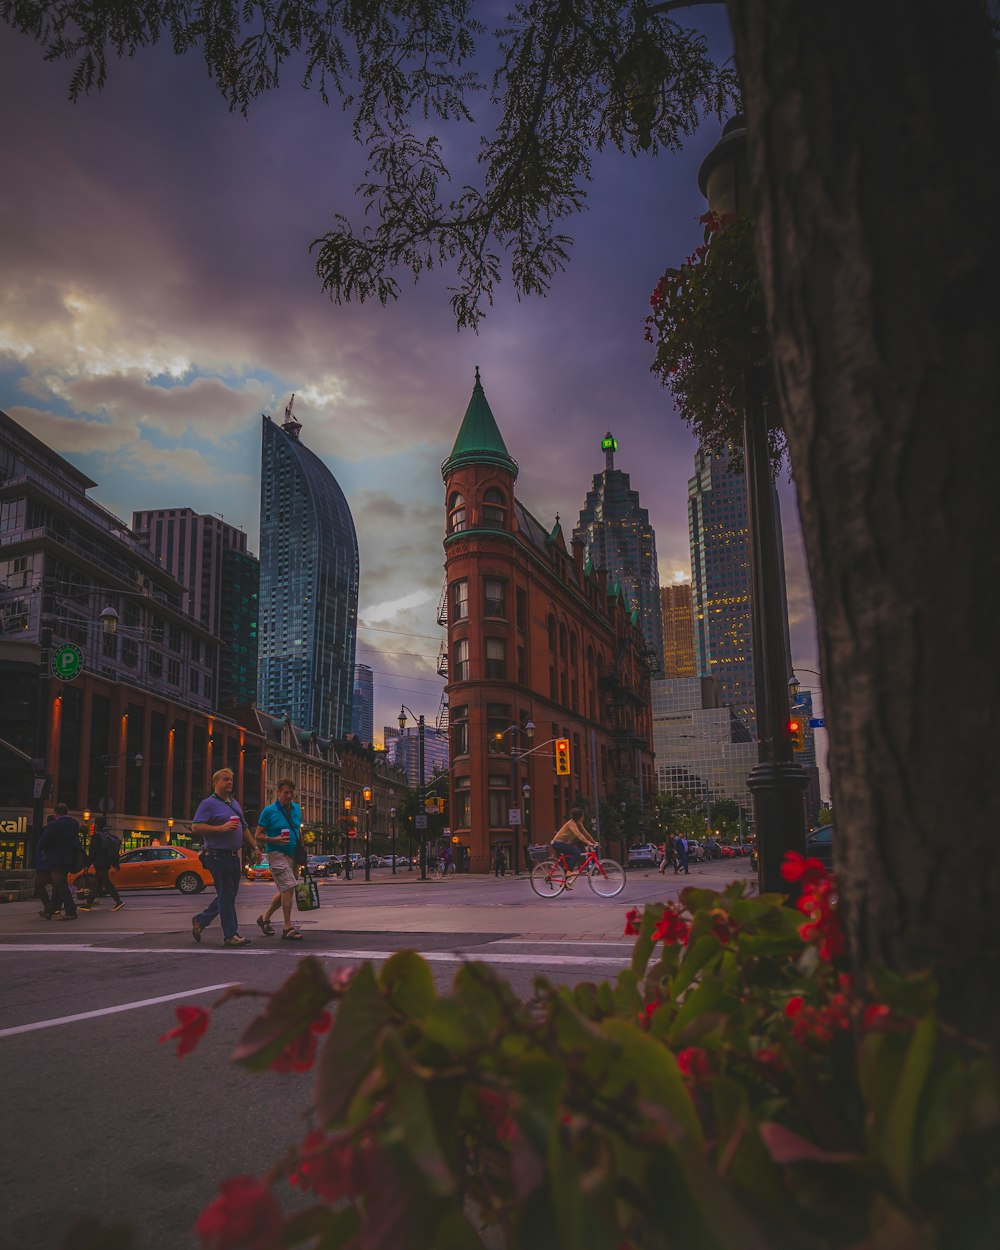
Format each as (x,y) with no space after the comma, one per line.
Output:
(196,929)
(65,917)
(237,940)
(83,907)
(119,905)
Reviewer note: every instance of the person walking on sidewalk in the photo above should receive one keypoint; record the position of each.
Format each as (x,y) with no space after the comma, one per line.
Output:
(681,847)
(279,834)
(103,856)
(60,846)
(220,821)
(500,863)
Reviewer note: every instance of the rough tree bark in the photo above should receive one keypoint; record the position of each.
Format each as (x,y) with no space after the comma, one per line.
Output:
(874,133)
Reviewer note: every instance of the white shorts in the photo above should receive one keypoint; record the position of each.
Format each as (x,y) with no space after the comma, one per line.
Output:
(283,870)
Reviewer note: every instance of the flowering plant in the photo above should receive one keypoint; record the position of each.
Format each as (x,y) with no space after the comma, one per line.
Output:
(735,1086)
(708,326)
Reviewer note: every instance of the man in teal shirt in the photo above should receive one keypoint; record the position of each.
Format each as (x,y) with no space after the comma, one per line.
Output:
(279,834)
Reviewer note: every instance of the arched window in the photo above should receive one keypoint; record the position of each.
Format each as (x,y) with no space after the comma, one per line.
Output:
(572,649)
(562,641)
(456,513)
(552,633)
(494,511)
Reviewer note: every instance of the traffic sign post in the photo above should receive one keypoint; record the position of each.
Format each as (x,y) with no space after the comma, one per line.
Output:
(513,816)
(67,662)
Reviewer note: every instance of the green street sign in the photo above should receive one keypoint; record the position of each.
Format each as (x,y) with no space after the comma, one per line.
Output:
(67,662)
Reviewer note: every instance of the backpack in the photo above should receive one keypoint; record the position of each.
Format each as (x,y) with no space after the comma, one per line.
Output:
(108,846)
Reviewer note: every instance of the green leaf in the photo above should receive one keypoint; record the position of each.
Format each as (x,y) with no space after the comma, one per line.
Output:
(711,994)
(322,1228)
(456,1233)
(651,1067)
(415,1127)
(696,956)
(410,986)
(899,1134)
(351,1049)
(289,1012)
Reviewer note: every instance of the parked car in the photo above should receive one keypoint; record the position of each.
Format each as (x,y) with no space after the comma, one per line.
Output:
(159,868)
(727,852)
(696,852)
(819,844)
(643,856)
(260,871)
(712,849)
(323,866)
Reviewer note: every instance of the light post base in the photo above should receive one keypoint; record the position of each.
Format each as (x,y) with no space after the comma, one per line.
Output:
(779,807)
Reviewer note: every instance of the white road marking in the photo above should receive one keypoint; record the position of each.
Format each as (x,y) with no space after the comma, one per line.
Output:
(111,1011)
(432,957)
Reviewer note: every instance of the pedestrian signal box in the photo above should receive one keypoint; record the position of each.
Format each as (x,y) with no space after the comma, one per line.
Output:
(797,734)
(562,757)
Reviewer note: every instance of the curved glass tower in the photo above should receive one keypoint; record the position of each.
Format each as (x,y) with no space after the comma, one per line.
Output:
(308,585)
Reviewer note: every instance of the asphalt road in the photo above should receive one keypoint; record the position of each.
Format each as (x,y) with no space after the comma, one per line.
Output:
(100,1118)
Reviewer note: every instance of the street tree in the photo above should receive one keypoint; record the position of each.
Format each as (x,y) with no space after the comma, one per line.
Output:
(873,130)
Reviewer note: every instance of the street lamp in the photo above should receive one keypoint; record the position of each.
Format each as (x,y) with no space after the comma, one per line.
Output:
(366,794)
(777,783)
(347,839)
(421,814)
(392,831)
(526,792)
(516,756)
(107,764)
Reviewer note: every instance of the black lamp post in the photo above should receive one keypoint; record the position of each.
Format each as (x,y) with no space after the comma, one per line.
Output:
(420,788)
(347,839)
(526,792)
(107,764)
(366,794)
(777,784)
(392,832)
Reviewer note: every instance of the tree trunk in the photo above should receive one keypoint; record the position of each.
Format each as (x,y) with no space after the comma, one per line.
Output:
(874,132)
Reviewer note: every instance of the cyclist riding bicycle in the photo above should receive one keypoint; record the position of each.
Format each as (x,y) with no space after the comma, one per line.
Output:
(571,838)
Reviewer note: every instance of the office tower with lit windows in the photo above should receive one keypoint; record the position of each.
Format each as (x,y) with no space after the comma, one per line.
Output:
(719,532)
(308,585)
(363,709)
(618,537)
(678,630)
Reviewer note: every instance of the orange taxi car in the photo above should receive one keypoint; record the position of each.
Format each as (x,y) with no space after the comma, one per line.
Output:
(159,867)
(261,871)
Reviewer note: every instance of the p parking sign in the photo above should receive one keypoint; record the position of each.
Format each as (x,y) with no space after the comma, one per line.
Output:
(67,662)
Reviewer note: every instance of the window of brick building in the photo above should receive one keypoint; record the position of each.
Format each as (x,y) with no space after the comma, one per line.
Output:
(496,659)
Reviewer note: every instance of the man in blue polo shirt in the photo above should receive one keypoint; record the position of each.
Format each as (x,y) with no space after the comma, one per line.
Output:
(220,821)
(279,833)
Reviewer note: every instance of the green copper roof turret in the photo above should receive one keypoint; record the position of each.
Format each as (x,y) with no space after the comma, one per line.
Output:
(479,440)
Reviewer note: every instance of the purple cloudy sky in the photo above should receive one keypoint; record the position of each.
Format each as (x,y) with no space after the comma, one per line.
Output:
(158,294)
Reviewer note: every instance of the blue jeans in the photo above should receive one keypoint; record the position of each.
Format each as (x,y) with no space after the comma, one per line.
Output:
(572,850)
(225,870)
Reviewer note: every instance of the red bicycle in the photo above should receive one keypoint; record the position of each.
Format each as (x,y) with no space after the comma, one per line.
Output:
(605,877)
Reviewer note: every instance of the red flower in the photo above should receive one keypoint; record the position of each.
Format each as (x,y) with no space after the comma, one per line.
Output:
(806,871)
(817,1024)
(874,1015)
(671,927)
(245,1216)
(794,1006)
(300,1054)
(327,1166)
(632,919)
(192,1023)
(819,903)
(693,1062)
(495,1108)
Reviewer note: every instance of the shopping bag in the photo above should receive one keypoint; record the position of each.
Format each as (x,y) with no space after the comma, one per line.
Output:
(307,892)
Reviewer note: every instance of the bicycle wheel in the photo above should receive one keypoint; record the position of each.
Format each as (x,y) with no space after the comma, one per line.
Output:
(607,878)
(548,879)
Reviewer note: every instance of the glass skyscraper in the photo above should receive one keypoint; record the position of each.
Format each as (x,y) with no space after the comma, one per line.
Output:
(617,536)
(308,585)
(363,710)
(719,531)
